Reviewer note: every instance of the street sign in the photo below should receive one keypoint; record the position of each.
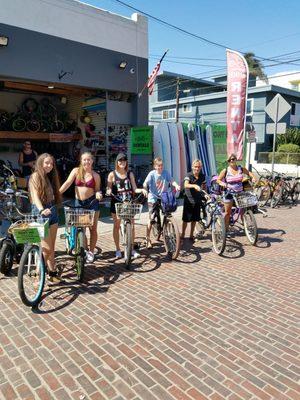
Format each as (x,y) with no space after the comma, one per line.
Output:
(276,109)
(281,128)
(283,108)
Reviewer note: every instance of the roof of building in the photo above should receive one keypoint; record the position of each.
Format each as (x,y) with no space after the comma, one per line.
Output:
(188,78)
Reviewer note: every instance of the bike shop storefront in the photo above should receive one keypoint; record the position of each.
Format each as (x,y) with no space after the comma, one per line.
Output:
(66,96)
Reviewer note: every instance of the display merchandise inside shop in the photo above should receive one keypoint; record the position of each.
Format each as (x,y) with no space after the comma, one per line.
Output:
(65,123)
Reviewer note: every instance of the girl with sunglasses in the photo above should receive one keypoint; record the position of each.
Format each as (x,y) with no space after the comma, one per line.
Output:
(232,179)
(121,183)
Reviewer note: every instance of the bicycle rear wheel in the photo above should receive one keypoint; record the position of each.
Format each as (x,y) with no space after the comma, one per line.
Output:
(171,237)
(127,243)
(33,125)
(218,234)
(250,227)
(296,192)
(31,275)
(19,125)
(80,255)
(277,194)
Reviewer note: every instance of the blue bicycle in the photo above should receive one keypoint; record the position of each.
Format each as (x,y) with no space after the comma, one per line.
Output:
(77,220)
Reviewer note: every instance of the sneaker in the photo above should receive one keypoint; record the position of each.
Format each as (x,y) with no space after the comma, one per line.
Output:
(135,254)
(118,254)
(89,256)
(55,279)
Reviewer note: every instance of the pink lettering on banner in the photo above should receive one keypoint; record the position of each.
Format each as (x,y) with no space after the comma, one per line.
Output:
(237,83)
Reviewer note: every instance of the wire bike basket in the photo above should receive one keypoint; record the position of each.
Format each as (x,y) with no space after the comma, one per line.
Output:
(245,199)
(31,229)
(79,217)
(128,210)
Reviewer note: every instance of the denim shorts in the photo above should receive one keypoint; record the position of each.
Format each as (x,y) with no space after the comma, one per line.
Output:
(53,217)
(88,204)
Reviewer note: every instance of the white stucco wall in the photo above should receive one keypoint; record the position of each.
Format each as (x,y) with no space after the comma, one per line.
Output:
(73,20)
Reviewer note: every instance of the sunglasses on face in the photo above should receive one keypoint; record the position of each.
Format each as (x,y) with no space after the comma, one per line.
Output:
(232,159)
(122,159)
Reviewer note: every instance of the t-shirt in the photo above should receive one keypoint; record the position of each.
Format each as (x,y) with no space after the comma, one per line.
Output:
(157,184)
(192,195)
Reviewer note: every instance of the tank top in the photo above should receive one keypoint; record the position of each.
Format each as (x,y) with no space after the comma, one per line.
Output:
(122,186)
(26,170)
(235,181)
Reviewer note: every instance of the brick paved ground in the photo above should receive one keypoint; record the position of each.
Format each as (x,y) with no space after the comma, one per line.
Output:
(204,327)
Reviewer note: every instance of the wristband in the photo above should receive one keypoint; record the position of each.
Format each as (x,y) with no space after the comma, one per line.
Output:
(41,210)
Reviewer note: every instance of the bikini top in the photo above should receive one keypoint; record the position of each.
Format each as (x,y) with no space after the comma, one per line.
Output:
(88,184)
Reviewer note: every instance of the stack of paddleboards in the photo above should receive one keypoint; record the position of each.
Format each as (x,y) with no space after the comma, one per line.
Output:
(180,144)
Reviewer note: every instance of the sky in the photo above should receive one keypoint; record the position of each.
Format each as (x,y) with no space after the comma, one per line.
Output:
(268,28)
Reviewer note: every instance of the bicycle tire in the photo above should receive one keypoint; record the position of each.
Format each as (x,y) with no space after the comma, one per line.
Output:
(264,195)
(251,236)
(199,230)
(218,240)
(156,230)
(33,126)
(19,125)
(57,126)
(296,192)
(31,259)
(127,243)
(277,194)
(80,256)
(171,234)
(6,258)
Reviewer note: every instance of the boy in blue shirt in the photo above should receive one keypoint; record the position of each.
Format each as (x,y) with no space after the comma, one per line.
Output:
(157,181)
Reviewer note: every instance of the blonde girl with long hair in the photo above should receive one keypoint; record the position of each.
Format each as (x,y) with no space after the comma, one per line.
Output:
(45,196)
(87,190)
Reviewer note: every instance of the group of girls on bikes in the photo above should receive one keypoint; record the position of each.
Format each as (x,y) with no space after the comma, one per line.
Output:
(46,194)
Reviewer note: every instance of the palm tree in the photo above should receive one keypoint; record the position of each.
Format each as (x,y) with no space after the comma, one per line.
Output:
(256,69)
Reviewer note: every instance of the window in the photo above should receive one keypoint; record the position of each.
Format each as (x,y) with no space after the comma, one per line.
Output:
(249,111)
(187,108)
(295,114)
(169,114)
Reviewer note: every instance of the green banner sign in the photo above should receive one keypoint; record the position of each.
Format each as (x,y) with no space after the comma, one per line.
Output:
(141,139)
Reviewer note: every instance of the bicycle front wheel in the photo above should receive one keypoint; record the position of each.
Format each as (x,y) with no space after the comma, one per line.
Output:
(218,234)
(80,256)
(250,227)
(31,275)
(171,238)
(6,258)
(263,195)
(127,242)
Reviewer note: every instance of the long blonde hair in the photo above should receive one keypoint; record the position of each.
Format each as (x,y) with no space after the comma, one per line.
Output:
(81,173)
(41,181)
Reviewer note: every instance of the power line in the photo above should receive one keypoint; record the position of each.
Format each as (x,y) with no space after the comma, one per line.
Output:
(184,31)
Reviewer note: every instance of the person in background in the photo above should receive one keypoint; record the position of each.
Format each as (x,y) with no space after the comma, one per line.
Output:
(27,159)
(87,194)
(121,183)
(232,178)
(45,196)
(157,181)
(194,199)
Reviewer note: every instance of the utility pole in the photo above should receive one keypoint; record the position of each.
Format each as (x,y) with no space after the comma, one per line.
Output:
(177,99)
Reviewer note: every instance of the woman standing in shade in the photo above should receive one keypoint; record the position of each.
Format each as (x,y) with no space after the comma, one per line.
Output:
(87,191)
(45,196)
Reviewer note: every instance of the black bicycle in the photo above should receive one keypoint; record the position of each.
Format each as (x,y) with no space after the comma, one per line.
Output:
(164,224)
(9,214)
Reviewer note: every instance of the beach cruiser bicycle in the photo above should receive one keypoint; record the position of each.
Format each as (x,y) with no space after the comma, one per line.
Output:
(77,219)
(164,224)
(29,231)
(211,216)
(128,210)
(241,212)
